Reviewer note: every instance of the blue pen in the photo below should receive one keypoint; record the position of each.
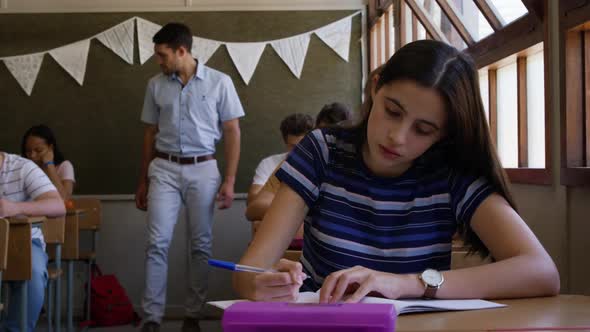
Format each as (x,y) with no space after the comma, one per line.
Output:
(239,267)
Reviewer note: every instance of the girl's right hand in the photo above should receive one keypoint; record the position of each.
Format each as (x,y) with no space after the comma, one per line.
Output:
(282,286)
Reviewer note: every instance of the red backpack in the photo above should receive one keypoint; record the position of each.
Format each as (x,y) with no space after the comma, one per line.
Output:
(109,304)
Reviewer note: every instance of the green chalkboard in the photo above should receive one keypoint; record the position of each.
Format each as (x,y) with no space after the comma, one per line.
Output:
(98,125)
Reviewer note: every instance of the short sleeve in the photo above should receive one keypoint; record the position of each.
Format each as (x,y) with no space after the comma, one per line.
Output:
(304,168)
(229,105)
(273,184)
(35,181)
(467,193)
(150,111)
(65,171)
(262,173)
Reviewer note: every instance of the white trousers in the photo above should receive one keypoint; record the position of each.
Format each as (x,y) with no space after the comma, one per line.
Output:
(172,185)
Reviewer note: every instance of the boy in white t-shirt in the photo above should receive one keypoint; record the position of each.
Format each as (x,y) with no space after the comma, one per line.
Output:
(26,190)
(293,128)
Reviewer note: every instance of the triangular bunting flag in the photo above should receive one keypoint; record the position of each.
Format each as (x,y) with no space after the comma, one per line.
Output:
(245,57)
(337,36)
(145,32)
(25,69)
(203,48)
(292,51)
(119,39)
(73,58)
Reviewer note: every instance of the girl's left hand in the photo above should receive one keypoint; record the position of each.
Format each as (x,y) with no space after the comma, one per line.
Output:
(360,281)
(47,156)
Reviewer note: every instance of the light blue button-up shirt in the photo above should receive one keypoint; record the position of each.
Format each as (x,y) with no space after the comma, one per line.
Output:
(189,118)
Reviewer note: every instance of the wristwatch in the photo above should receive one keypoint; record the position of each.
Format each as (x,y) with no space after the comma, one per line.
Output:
(432,280)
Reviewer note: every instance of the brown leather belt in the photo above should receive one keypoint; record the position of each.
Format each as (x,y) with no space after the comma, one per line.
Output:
(184,160)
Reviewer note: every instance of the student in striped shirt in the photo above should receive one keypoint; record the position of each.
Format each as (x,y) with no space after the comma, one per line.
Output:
(26,190)
(380,201)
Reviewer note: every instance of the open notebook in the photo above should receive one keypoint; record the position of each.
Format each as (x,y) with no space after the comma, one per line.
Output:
(401,306)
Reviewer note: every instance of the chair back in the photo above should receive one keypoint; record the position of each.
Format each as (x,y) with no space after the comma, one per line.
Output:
(4,230)
(92,216)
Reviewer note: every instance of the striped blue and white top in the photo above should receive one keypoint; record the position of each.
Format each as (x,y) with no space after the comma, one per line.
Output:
(399,225)
(21,180)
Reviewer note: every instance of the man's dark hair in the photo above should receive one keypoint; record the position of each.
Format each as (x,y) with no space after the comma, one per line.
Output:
(296,124)
(174,35)
(333,113)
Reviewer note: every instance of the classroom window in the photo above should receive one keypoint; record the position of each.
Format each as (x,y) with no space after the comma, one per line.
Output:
(484,89)
(484,28)
(513,94)
(507,101)
(575,127)
(509,10)
(535,110)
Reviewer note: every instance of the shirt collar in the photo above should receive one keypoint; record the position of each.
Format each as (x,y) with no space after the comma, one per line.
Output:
(199,73)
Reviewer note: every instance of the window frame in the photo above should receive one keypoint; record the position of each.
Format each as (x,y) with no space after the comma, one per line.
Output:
(514,38)
(575,102)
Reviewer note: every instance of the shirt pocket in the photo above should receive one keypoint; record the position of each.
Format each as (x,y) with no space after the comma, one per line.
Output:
(207,112)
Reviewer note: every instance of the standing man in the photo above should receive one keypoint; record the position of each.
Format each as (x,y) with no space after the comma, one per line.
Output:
(187,109)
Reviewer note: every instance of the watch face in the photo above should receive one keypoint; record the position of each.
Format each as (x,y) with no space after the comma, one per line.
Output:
(432,277)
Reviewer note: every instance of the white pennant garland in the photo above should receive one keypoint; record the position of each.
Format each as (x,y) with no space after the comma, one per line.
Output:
(25,69)
(145,32)
(119,39)
(73,58)
(292,51)
(204,48)
(337,36)
(245,57)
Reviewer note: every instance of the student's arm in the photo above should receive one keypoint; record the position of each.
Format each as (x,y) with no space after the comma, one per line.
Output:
(522,268)
(65,187)
(257,208)
(253,192)
(47,204)
(272,238)
(147,155)
(231,134)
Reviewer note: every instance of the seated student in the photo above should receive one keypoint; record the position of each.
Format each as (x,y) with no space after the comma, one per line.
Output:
(26,190)
(330,115)
(382,200)
(293,128)
(39,145)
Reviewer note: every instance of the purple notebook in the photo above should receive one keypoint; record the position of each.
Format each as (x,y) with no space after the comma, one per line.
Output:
(308,317)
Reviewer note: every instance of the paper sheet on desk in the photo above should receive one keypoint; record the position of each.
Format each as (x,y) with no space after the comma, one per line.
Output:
(401,306)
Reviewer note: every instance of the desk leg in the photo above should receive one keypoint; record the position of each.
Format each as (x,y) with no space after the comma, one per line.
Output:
(70,300)
(58,289)
(23,305)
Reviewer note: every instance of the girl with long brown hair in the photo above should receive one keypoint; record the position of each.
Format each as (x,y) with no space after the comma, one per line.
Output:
(381,200)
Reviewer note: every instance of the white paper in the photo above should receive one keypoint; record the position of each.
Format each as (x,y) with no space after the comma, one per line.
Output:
(119,39)
(203,48)
(73,58)
(145,32)
(245,57)
(401,306)
(293,51)
(25,69)
(337,36)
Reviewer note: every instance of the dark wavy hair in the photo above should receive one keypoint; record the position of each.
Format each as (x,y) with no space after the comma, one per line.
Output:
(174,35)
(468,146)
(44,132)
(332,114)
